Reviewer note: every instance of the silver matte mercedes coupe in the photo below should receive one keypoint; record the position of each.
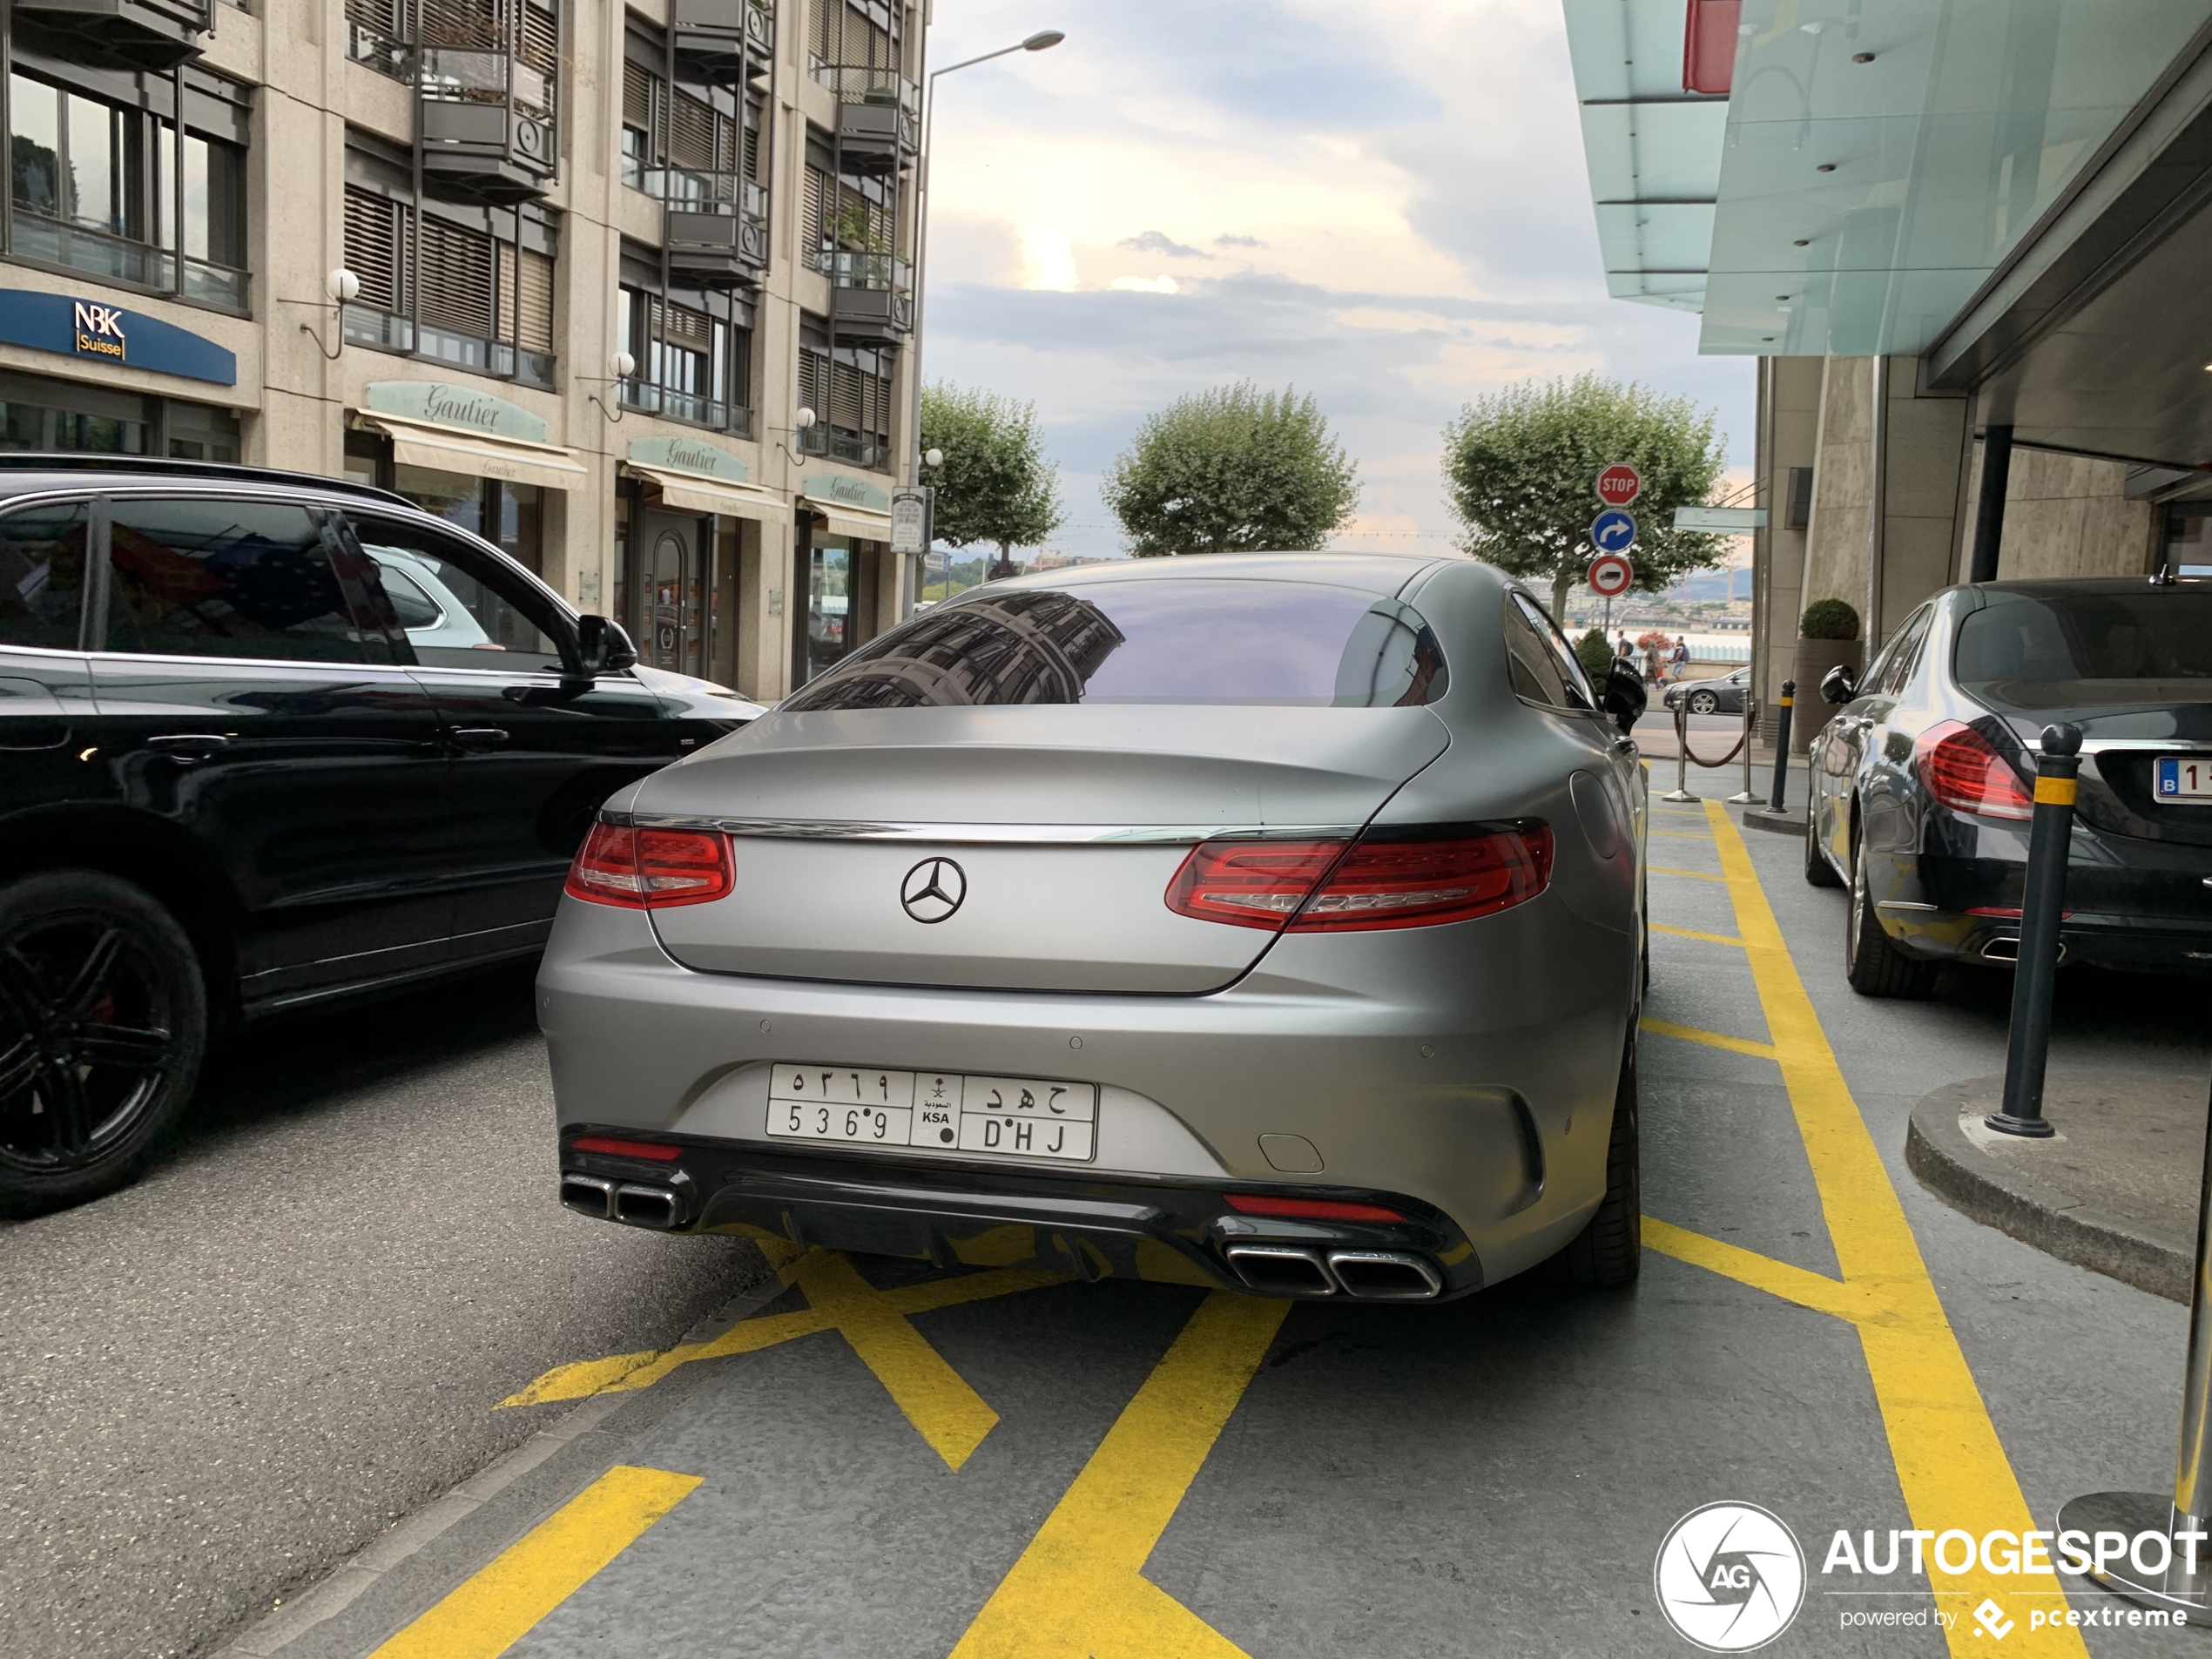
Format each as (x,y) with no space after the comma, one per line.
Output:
(1270,921)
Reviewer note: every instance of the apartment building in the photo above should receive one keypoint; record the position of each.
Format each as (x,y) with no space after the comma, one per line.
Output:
(625,289)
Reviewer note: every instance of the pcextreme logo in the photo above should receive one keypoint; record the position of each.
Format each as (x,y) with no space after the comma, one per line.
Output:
(1730,1577)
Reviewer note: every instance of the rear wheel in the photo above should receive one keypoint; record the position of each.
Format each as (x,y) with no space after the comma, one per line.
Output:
(102,1023)
(1608,1252)
(1874,966)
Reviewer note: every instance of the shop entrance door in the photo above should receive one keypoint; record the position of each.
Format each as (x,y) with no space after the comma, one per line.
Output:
(678,594)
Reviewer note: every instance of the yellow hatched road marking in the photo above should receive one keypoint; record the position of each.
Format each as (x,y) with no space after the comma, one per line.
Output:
(1692,933)
(1950,1463)
(1078,1591)
(1710,1039)
(936,1399)
(1702,875)
(1815,1291)
(500,1605)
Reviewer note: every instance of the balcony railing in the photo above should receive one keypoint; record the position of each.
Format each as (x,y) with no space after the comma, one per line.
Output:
(149,34)
(843,444)
(499,359)
(687,407)
(864,84)
(140,264)
(875,297)
(885,272)
(722,31)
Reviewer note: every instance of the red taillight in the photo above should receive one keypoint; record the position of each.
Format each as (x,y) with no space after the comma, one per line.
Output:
(1962,771)
(1250,884)
(652,1150)
(650,869)
(1311,1208)
(1383,881)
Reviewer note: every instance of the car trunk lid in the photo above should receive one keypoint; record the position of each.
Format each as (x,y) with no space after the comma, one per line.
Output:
(1062,826)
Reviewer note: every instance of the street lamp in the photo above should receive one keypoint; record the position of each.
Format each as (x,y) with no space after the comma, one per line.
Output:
(1042,40)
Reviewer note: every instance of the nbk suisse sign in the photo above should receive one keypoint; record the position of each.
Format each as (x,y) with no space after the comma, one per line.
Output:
(73,328)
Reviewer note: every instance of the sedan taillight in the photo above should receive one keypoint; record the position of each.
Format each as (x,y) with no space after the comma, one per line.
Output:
(1962,771)
(1400,880)
(650,869)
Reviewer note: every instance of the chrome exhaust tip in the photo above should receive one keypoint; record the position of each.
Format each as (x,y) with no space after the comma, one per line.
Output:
(642,1206)
(587,1195)
(1281,1270)
(1386,1275)
(2007,949)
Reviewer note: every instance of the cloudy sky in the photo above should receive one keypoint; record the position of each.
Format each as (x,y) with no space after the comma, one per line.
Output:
(1382,203)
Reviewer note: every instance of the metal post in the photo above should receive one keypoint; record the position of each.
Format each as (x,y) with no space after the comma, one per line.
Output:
(1681,791)
(2041,900)
(1989,508)
(1782,747)
(1746,796)
(2182,1578)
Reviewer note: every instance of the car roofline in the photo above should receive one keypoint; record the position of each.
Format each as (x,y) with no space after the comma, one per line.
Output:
(31,460)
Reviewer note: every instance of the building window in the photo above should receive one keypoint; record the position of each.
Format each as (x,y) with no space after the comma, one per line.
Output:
(855,52)
(848,387)
(484,301)
(693,365)
(95,188)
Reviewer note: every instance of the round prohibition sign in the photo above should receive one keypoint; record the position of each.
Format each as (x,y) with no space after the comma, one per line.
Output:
(1610,576)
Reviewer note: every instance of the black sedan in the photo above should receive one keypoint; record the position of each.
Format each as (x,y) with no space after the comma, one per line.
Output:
(1723,696)
(268,740)
(1923,782)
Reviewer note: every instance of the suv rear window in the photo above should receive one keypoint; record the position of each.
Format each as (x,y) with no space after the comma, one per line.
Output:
(1172,640)
(2045,650)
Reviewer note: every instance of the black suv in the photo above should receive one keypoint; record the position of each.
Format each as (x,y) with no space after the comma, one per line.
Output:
(268,740)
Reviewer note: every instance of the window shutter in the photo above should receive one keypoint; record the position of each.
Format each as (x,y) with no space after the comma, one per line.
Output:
(690,136)
(456,278)
(379,18)
(845,396)
(821,29)
(541,49)
(813,207)
(525,298)
(374,239)
(637,97)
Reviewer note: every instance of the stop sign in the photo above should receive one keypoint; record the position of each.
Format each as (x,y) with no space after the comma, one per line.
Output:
(1619,484)
(1611,574)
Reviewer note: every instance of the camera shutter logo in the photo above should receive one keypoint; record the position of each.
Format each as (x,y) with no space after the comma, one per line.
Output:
(1730,1577)
(933,889)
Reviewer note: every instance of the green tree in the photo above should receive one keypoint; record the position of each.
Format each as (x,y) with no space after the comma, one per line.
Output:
(994,485)
(1232,470)
(1522,465)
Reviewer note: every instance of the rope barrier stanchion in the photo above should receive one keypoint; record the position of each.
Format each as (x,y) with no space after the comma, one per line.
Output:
(1681,791)
(1746,796)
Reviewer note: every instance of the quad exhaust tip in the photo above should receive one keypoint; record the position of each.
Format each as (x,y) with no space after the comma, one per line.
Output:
(632,1203)
(1368,1275)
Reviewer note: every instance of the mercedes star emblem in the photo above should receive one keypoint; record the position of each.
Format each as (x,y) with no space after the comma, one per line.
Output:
(933,889)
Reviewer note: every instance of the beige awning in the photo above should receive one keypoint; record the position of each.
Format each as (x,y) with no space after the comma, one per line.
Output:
(690,493)
(844,519)
(419,443)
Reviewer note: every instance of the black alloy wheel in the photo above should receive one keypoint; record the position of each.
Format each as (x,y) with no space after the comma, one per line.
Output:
(1704,703)
(102,1023)
(1872,963)
(1608,1252)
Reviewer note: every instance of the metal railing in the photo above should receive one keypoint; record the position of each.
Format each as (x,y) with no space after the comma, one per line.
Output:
(687,407)
(103,253)
(385,331)
(883,272)
(863,84)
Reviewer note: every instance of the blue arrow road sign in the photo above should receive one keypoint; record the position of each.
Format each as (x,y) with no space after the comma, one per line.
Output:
(1613,531)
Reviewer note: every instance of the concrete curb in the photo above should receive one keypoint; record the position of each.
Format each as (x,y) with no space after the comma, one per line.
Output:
(1940,1151)
(1788,821)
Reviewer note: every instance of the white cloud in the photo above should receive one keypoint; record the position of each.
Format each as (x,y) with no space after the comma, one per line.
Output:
(1146,285)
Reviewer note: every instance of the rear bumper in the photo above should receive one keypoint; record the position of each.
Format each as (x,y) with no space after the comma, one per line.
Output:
(965,1216)
(1474,1086)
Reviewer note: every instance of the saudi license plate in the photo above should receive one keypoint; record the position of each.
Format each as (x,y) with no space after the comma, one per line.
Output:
(2185,780)
(948,1112)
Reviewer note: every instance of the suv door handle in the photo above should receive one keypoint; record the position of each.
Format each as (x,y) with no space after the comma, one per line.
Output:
(186,747)
(478,738)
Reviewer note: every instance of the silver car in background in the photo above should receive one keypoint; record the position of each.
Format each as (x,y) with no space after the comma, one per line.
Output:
(1273,920)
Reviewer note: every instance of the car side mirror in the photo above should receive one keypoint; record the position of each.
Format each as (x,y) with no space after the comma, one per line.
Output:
(602,647)
(1624,696)
(1838,685)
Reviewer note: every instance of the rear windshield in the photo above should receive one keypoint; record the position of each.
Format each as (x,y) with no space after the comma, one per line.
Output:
(2047,651)
(1169,640)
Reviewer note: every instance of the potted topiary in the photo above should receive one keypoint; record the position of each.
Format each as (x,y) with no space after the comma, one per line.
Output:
(1595,653)
(1827,636)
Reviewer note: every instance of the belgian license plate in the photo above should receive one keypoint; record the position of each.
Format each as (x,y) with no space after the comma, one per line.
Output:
(2185,780)
(950,1111)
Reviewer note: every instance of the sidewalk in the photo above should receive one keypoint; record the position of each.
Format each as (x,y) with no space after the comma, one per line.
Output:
(2116,1190)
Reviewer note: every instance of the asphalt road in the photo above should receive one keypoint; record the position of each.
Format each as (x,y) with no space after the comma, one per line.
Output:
(216,1384)
(882,1459)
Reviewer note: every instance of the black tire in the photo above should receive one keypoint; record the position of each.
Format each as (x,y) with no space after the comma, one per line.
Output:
(103,1026)
(1872,963)
(1818,872)
(1704,703)
(1608,1254)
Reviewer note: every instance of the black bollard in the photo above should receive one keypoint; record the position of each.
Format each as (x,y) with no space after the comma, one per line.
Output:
(1782,747)
(2042,904)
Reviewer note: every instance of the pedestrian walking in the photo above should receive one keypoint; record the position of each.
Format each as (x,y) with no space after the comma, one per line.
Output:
(1681,664)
